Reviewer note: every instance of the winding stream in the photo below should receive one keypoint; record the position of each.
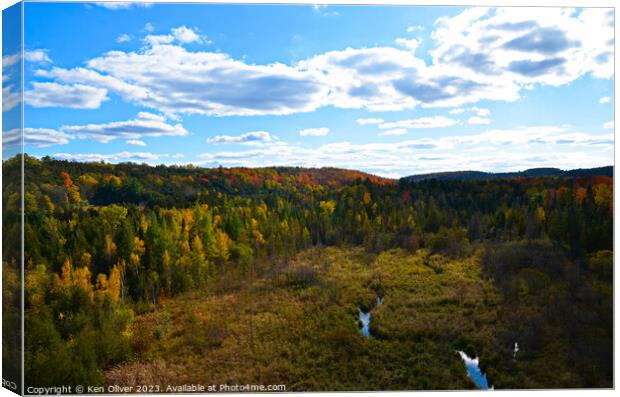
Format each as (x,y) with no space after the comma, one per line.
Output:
(473,371)
(364,318)
(471,364)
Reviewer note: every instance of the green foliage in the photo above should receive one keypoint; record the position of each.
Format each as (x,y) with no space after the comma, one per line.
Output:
(451,242)
(601,264)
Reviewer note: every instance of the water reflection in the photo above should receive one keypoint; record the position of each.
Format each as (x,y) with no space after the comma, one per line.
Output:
(365,320)
(364,317)
(473,371)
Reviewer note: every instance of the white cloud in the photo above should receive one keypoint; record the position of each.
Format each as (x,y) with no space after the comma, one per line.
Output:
(148,27)
(158,39)
(181,34)
(78,96)
(482,112)
(186,35)
(411,44)
(493,150)
(87,76)
(414,28)
(112,157)
(135,142)
(37,137)
(44,137)
(369,78)
(481,117)
(551,46)
(145,124)
(10,60)
(475,120)
(604,99)
(123,38)
(609,125)
(422,122)
(11,138)
(173,80)
(369,121)
(178,156)
(318,8)
(10,98)
(121,5)
(38,55)
(323,131)
(249,138)
(479,54)
(394,132)
(541,135)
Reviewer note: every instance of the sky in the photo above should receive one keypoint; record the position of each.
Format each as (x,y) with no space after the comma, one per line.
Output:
(390,90)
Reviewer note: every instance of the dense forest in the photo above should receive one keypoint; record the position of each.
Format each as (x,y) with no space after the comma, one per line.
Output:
(255,275)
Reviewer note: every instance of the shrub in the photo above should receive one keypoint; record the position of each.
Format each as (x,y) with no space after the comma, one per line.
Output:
(601,264)
(501,260)
(451,242)
(300,276)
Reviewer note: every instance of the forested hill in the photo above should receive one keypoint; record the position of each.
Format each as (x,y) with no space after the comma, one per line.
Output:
(168,186)
(330,176)
(533,172)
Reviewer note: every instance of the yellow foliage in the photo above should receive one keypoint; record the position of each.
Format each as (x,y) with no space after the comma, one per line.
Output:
(86,260)
(602,195)
(114,283)
(185,247)
(65,274)
(222,243)
(88,180)
(81,279)
(109,247)
(74,194)
(36,283)
(166,260)
(540,214)
(114,180)
(102,282)
(258,236)
(187,216)
(197,244)
(49,205)
(144,224)
(139,248)
(134,259)
(328,207)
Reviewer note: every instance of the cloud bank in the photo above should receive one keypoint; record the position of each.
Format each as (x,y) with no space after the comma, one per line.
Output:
(480,54)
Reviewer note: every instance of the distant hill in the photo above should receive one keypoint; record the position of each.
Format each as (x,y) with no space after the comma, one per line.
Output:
(331,175)
(533,172)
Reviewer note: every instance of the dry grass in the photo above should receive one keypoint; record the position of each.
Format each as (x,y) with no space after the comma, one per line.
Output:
(156,372)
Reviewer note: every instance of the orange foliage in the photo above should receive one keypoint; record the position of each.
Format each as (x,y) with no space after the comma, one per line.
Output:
(580,194)
(73,191)
(67,179)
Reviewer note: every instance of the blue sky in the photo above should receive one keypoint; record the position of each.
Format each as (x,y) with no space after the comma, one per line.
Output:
(388,90)
(11,77)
